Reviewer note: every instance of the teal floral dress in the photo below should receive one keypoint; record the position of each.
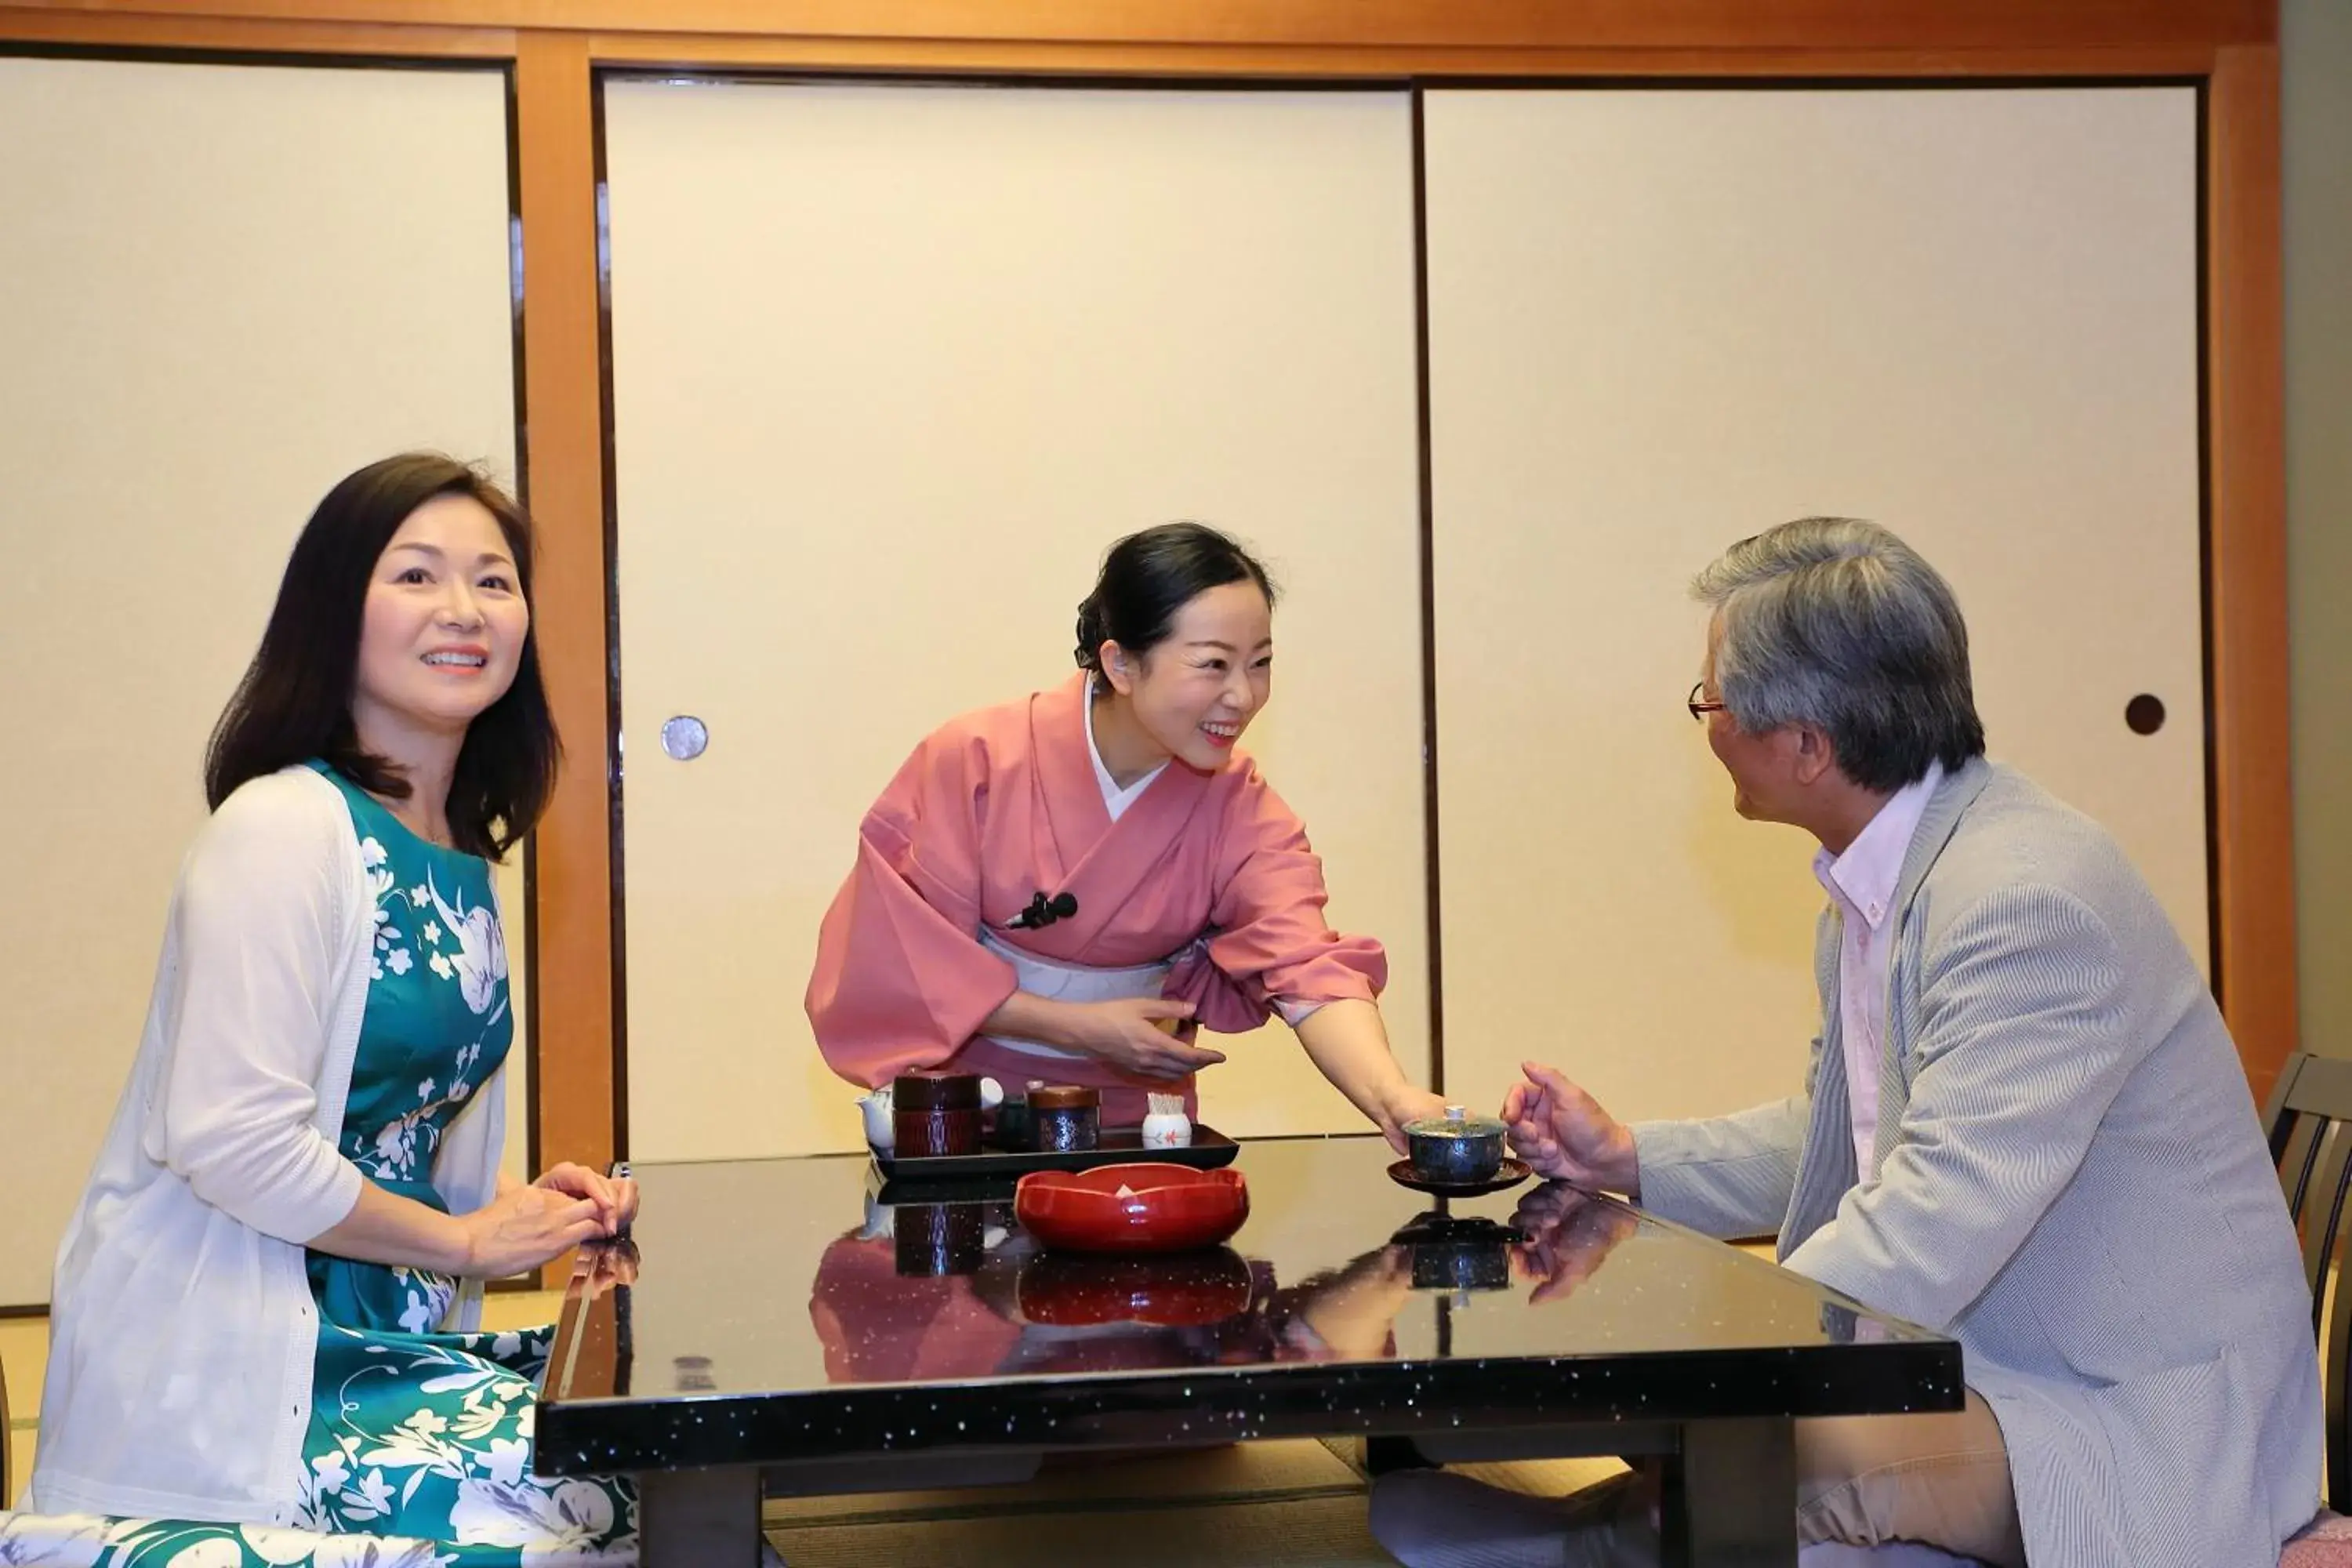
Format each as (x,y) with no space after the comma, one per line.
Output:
(415,1435)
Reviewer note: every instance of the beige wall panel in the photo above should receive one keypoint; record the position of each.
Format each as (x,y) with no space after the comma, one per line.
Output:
(221,289)
(1664,321)
(892,366)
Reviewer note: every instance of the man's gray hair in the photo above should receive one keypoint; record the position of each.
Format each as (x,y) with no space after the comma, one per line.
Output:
(1835,622)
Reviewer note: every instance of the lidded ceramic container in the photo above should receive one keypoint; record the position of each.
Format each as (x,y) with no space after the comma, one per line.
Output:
(1456,1148)
(1065,1118)
(935,1113)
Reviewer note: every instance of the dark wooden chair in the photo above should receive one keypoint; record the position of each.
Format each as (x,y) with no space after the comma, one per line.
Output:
(2310,1121)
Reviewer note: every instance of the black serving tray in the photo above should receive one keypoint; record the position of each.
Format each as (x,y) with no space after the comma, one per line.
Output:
(1120,1146)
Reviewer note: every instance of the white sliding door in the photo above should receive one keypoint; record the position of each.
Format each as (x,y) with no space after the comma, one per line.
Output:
(222,287)
(1662,320)
(892,365)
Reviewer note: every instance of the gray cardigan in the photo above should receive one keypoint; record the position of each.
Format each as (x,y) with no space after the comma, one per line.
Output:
(2069,1177)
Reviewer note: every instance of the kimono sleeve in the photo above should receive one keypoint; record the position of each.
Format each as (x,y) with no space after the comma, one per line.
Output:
(1268,943)
(900,979)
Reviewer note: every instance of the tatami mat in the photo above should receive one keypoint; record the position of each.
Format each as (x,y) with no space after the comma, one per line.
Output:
(1306,1532)
(1271,1470)
(1270,1503)
(1543,1478)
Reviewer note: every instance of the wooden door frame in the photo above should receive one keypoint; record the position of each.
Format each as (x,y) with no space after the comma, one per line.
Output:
(2229,48)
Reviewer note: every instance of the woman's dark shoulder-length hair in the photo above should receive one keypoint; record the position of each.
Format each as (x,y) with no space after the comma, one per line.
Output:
(295,701)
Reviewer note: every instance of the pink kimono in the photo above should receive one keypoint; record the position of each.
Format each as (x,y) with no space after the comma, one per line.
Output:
(1204,891)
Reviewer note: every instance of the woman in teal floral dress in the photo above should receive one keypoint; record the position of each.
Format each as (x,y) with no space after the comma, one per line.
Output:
(263,1318)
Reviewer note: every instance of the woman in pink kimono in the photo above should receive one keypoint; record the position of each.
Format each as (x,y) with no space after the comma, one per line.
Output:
(1066,887)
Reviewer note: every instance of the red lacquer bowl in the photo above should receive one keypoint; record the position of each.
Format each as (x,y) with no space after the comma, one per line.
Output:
(1131,1208)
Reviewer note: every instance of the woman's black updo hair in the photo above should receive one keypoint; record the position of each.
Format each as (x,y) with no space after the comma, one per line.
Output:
(1147,577)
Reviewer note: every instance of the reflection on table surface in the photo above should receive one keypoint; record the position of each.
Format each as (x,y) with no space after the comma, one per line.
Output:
(796,1275)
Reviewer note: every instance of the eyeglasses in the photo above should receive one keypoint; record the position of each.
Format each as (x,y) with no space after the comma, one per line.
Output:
(1700,707)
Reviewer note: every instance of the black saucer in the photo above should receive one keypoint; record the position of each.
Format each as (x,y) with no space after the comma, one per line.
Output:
(1511,1174)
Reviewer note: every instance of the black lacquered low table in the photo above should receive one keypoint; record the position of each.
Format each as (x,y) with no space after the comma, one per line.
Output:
(775,1325)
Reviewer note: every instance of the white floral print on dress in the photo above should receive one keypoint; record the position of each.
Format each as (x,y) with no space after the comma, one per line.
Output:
(550,1524)
(481,958)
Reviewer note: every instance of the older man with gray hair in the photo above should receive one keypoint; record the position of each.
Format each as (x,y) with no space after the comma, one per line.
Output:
(2024,1125)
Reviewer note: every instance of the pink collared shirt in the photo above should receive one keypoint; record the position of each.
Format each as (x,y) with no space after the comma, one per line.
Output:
(1861,883)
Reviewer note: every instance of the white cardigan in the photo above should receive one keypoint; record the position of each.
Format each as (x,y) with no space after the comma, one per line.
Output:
(182,1329)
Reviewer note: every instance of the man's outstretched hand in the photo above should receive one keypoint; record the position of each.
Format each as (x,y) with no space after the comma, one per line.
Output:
(1564,1134)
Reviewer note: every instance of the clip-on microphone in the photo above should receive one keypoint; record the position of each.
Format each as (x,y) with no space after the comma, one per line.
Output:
(1044,911)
